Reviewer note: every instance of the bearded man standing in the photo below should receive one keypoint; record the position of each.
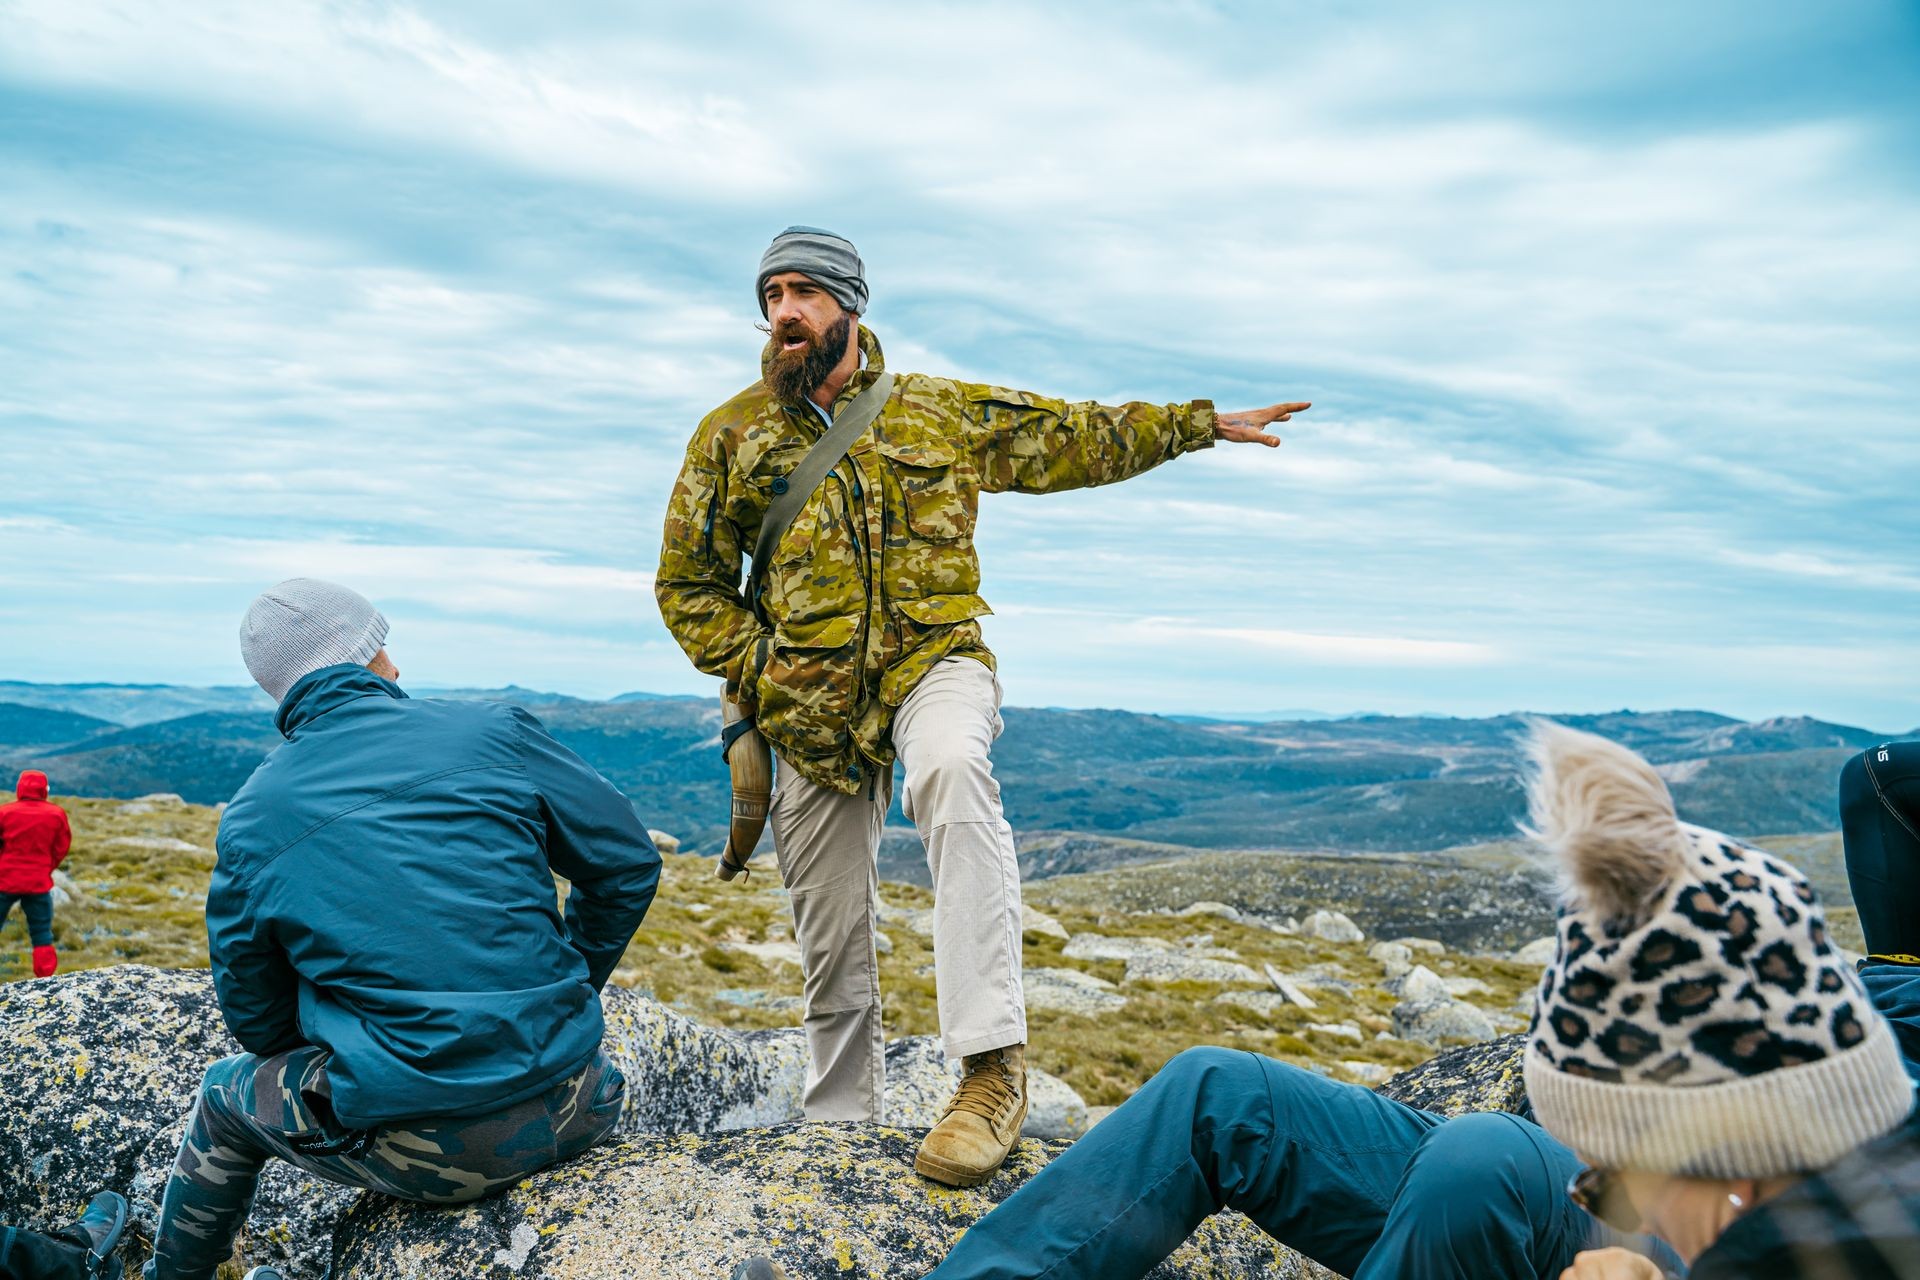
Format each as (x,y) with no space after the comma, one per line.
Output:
(858,639)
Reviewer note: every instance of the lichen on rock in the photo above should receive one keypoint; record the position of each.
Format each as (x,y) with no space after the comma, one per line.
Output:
(834,1200)
(1480,1077)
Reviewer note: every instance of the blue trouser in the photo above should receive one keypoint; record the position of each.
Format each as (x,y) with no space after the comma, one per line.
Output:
(37,908)
(1364,1185)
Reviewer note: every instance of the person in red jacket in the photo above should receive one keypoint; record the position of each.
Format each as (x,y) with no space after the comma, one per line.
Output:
(34,839)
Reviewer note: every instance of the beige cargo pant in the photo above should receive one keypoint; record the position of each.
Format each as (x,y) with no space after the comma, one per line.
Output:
(828,844)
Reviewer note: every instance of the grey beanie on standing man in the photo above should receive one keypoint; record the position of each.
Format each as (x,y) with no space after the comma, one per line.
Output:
(828,260)
(305,624)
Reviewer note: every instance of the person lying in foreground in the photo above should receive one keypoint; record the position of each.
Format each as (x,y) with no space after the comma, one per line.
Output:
(386,943)
(1703,1063)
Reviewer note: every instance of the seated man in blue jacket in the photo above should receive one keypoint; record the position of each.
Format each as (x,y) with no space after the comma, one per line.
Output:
(418,1016)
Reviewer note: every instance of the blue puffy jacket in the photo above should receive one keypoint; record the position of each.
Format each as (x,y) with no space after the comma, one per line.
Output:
(385,890)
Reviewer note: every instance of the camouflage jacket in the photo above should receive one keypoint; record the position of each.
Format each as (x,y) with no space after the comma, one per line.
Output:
(876,579)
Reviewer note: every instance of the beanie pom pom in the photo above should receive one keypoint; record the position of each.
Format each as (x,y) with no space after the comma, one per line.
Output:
(1607,819)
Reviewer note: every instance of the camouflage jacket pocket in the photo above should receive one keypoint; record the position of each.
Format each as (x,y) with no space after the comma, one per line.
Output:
(809,685)
(937,502)
(937,611)
(931,627)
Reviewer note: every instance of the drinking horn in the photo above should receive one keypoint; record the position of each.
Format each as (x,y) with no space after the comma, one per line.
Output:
(751,762)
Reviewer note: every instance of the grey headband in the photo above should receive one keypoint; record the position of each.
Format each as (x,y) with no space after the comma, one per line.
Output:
(827,259)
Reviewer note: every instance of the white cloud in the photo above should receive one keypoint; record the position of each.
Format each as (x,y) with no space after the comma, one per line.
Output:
(1802,564)
(387,71)
(1253,644)
(435,293)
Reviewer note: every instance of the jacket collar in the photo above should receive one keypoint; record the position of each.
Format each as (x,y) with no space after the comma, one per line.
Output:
(318,692)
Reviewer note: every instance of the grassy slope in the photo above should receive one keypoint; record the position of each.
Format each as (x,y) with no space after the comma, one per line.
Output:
(144,902)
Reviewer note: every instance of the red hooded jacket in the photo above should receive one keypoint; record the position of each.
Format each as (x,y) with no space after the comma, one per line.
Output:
(34,837)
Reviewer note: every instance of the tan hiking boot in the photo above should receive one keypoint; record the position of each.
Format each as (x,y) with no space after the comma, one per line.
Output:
(982,1122)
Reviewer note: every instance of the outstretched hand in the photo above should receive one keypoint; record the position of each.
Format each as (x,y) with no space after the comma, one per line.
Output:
(1249,426)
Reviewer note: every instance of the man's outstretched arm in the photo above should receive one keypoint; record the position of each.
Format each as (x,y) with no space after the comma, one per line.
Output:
(1030,443)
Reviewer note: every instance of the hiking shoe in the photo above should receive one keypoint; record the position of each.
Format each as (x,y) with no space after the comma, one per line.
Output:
(264,1272)
(759,1269)
(101,1226)
(982,1122)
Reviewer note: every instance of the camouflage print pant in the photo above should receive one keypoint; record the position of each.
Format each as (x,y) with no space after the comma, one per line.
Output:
(251,1109)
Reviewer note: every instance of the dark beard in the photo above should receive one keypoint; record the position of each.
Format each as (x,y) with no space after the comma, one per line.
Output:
(796,375)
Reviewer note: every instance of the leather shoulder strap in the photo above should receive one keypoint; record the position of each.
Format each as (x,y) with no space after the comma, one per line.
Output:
(801,482)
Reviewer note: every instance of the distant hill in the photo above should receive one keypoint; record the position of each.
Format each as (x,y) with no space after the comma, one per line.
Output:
(203,758)
(134,703)
(508,693)
(41,726)
(1085,790)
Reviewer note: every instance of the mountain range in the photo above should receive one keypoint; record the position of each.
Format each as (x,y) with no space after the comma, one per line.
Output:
(1083,788)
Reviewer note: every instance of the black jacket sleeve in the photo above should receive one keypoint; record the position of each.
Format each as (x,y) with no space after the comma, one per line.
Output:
(597,842)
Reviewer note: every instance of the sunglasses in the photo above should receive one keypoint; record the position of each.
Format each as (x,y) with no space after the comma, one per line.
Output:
(1599,1192)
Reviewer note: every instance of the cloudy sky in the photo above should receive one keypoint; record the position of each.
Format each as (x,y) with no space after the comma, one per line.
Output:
(1611,322)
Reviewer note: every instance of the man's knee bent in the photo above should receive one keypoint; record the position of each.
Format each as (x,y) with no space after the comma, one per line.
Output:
(950,784)
(1478,1162)
(1207,1073)
(228,1079)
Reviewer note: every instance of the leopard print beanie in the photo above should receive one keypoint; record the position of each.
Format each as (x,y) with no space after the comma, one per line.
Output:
(1696,1018)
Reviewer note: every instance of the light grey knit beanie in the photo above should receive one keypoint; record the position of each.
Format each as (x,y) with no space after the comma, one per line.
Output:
(305,624)
(1696,1018)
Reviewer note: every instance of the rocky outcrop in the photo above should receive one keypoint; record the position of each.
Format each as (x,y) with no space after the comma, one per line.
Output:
(1175,966)
(835,1201)
(1152,960)
(827,1201)
(1481,1077)
(1538,952)
(1332,926)
(1037,924)
(1441,1021)
(1395,958)
(1070,991)
(92,1067)
(1430,1010)
(97,1070)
